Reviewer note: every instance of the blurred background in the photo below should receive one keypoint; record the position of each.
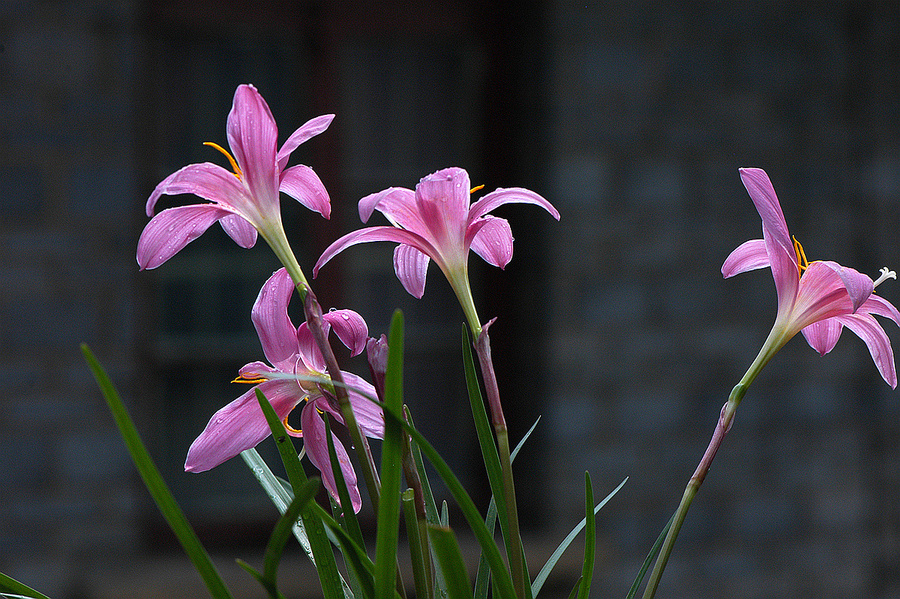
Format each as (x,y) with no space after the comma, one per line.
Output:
(615,326)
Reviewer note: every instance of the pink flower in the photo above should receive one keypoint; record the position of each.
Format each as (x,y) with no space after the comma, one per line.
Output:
(436,222)
(818,298)
(245,201)
(291,352)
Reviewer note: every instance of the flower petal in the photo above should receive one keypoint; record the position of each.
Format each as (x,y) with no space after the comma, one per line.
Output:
(822,336)
(370,234)
(252,136)
(309,351)
(398,204)
(273,325)
(868,329)
(493,240)
(350,328)
(172,229)
(240,425)
(782,256)
(750,255)
(513,195)
(859,286)
(369,414)
(881,307)
(206,180)
(303,184)
(411,267)
(825,291)
(310,129)
(442,202)
(316,444)
(239,229)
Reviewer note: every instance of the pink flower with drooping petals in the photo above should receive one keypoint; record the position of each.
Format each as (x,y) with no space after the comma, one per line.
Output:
(245,201)
(436,222)
(292,352)
(819,298)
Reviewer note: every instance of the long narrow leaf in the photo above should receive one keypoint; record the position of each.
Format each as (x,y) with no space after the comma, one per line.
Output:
(326,566)
(451,561)
(389,506)
(11,585)
(649,559)
(541,578)
(590,539)
(155,483)
(418,546)
(282,530)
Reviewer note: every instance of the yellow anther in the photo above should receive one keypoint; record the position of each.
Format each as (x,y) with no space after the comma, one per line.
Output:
(252,381)
(290,428)
(234,164)
(802,263)
(474,189)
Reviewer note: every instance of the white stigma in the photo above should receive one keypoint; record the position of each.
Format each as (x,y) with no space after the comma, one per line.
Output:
(886,274)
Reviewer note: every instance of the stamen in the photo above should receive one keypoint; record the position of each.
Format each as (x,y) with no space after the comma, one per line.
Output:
(886,274)
(234,164)
(474,189)
(802,263)
(291,428)
(252,381)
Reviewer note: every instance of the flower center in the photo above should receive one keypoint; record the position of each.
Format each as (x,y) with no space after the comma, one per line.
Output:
(234,164)
(802,262)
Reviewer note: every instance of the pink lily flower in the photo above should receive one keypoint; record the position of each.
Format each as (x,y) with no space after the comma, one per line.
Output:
(245,201)
(819,298)
(292,352)
(436,222)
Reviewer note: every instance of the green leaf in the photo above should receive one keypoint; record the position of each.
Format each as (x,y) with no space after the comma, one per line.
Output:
(418,546)
(154,482)
(326,565)
(450,558)
(654,551)
(590,539)
(541,578)
(11,585)
(282,530)
(388,526)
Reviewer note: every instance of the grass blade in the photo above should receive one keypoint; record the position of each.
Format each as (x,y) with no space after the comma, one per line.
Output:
(11,585)
(654,551)
(450,558)
(155,483)
(590,539)
(541,578)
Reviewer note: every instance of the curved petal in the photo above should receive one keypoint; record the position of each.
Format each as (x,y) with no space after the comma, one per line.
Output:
(239,229)
(442,202)
(309,350)
(782,256)
(255,370)
(411,267)
(493,241)
(350,328)
(303,184)
(398,204)
(868,329)
(240,425)
(308,130)
(206,180)
(881,307)
(822,294)
(859,286)
(316,444)
(273,325)
(822,336)
(252,136)
(750,255)
(370,234)
(513,195)
(172,229)
(369,414)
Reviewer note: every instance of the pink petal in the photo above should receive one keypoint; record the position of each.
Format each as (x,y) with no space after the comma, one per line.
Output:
(822,336)
(240,425)
(310,129)
(206,180)
(350,328)
(493,241)
(442,201)
(859,286)
(303,184)
(868,329)
(370,234)
(316,444)
(369,414)
(239,229)
(398,204)
(823,293)
(273,325)
(881,307)
(252,136)
(411,266)
(750,255)
(172,229)
(309,351)
(513,195)
(780,247)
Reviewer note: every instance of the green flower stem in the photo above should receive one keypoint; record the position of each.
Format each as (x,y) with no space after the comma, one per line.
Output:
(514,543)
(775,341)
